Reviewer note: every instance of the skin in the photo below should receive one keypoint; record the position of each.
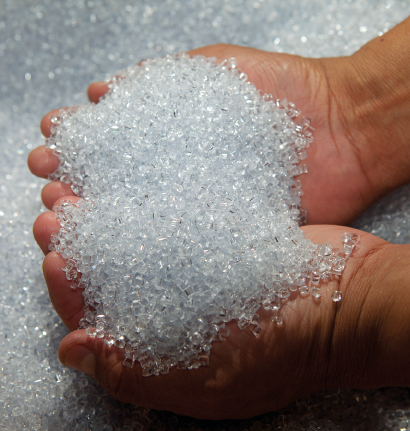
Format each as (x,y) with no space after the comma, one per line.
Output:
(360,109)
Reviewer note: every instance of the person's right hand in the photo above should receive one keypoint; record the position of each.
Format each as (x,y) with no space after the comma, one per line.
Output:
(361,342)
(361,147)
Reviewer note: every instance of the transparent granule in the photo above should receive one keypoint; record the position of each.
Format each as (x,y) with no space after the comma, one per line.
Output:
(336,296)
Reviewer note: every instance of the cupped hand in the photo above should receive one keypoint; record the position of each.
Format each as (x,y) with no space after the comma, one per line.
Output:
(321,344)
(341,182)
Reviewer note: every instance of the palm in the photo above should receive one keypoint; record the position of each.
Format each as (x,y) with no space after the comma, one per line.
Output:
(336,190)
(247,375)
(335,186)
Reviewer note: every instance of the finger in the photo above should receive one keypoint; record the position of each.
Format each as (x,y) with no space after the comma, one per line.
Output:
(53,191)
(68,302)
(181,391)
(46,123)
(209,392)
(94,357)
(46,224)
(42,162)
(43,227)
(96,90)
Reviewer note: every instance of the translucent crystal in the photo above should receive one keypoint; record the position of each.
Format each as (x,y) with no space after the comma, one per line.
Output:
(232,63)
(356,238)
(346,237)
(120,342)
(348,246)
(91,332)
(255,330)
(278,319)
(316,293)
(336,296)
(203,360)
(243,324)
(71,274)
(304,291)
(109,340)
(128,362)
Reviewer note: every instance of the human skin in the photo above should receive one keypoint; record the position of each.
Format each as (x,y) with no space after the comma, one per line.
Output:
(359,106)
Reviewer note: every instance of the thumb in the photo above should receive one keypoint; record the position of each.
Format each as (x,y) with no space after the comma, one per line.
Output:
(102,362)
(76,352)
(187,392)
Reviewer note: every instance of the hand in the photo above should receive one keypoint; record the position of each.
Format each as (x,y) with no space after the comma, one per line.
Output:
(360,150)
(358,343)
(332,161)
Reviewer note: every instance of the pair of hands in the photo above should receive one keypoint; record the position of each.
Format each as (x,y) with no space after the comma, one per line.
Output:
(356,343)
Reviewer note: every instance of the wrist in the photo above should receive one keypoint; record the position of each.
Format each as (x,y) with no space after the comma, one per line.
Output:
(371,335)
(376,81)
(393,295)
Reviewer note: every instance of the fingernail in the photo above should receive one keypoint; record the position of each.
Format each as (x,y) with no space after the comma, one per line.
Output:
(80,358)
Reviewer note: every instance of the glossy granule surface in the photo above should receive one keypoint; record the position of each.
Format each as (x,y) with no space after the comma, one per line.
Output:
(49,52)
(190,210)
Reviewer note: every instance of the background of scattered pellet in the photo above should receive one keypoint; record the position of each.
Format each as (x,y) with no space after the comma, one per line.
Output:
(49,51)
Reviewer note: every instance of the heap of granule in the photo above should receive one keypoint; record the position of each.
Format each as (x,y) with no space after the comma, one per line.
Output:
(189,217)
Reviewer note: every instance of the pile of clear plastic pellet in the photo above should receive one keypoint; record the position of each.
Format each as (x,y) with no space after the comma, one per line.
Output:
(50,51)
(190,211)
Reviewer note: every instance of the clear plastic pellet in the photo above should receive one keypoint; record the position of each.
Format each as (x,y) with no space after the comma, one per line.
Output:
(336,296)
